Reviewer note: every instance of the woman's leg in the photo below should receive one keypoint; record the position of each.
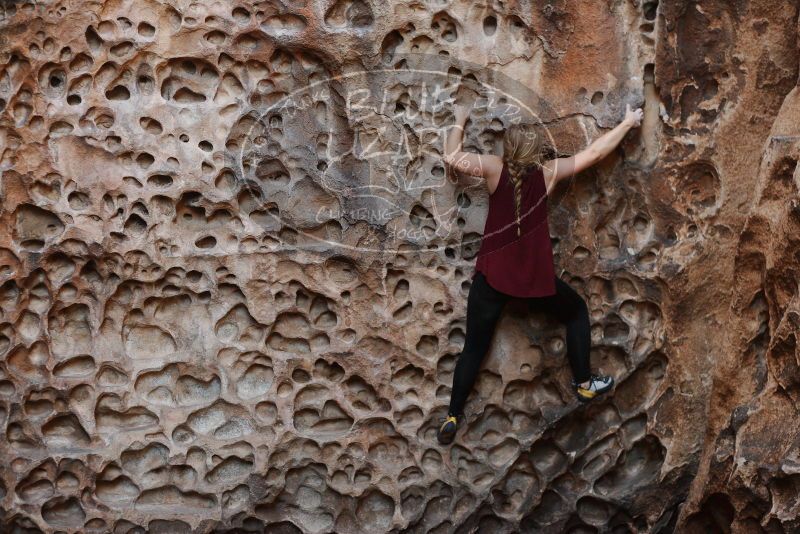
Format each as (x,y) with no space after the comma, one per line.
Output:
(570,308)
(484,306)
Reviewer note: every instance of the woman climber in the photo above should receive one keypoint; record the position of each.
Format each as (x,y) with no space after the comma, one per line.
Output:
(515,259)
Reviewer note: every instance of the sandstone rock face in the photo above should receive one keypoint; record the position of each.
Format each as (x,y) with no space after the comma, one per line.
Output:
(234,268)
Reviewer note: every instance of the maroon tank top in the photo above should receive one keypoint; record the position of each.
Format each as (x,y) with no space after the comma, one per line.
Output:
(518,265)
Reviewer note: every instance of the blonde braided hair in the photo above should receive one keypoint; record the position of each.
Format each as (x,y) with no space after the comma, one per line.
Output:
(524,145)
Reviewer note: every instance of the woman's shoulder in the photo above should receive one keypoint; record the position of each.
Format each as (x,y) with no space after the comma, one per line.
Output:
(527,170)
(493,159)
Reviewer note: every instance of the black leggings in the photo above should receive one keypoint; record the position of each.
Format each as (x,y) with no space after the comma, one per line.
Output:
(484,305)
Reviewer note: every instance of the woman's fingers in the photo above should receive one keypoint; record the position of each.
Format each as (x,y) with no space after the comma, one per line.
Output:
(634,116)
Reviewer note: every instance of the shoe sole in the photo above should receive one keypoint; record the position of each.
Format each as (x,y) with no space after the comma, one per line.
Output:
(445,442)
(584,400)
(448,438)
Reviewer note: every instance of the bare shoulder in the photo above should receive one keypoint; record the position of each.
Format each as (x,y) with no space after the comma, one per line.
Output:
(556,169)
(493,168)
(487,166)
(493,165)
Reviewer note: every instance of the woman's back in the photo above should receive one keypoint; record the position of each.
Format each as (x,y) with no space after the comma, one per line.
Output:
(518,265)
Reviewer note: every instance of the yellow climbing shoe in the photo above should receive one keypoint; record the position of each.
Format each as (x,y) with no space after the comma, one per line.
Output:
(448,429)
(597,386)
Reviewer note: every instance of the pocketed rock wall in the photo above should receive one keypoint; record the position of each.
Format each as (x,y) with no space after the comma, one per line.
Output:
(227,308)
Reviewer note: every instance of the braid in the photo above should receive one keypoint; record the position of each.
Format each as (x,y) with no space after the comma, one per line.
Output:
(524,145)
(515,170)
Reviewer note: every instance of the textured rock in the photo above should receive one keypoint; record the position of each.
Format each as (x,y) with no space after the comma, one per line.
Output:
(234,269)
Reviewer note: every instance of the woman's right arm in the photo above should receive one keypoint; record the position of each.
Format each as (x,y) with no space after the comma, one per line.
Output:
(556,169)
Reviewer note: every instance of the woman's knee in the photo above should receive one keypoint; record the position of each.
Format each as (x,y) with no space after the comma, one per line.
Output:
(570,299)
(574,307)
(474,352)
(581,308)
(578,310)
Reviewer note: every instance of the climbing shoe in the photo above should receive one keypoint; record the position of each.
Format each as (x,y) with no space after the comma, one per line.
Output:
(597,386)
(448,429)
